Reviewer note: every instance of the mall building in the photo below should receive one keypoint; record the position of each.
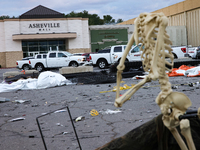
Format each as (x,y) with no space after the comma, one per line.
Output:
(40,30)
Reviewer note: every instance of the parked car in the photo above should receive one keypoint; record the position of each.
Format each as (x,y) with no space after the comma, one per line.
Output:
(87,55)
(24,63)
(57,59)
(112,55)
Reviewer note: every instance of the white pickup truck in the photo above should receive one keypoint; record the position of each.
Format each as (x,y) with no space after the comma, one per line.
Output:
(102,60)
(24,63)
(57,59)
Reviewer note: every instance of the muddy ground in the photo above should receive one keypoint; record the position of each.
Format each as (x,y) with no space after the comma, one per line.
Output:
(93,131)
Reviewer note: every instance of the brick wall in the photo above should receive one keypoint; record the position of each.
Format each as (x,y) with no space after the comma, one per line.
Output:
(2,59)
(12,57)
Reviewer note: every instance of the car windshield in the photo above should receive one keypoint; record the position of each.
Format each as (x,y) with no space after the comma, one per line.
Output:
(68,54)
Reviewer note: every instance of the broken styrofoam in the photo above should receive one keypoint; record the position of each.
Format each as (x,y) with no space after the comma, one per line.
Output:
(17,119)
(59,111)
(46,79)
(109,111)
(80,118)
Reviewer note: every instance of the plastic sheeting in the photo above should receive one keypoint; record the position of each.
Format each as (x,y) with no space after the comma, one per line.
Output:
(185,71)
(46,79)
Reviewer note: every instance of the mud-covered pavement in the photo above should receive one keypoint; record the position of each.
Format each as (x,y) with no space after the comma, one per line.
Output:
(93,131)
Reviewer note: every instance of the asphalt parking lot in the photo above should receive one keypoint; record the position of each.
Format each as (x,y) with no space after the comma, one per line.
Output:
(92,131)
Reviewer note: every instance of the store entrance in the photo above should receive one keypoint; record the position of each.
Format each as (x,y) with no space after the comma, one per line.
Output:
(32,54)
(31,48)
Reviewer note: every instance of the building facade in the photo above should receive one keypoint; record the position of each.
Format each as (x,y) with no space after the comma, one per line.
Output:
(103,36)
(185,13)
(39,31)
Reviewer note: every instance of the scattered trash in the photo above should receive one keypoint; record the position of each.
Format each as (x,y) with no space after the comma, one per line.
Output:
(17,119)
(35,105)
(191,84)
(59,111)
(174,87)
(64,133)
(140,120)
(3,99)
(21,101)
(31,136)
(59,124)
(79,118)
(7,115)
(94,112)
(109,111)
(138,77)
(124,87)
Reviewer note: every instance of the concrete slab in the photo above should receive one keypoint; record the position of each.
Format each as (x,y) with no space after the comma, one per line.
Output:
(14,73)
(69,70)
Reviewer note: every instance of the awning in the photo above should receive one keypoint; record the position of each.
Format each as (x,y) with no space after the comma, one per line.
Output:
(38,36)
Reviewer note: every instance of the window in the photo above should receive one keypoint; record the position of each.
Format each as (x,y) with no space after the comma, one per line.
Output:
(136,49)
(118,49)
(39,56)
(61,55)
(42,46)
(52,55)
(104,51)
(44,56)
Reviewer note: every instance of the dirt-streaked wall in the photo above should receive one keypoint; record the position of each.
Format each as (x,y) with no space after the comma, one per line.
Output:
(12,57)
(3,59)
(186,13)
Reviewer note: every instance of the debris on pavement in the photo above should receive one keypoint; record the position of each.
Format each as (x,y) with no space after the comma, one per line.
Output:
(3,99)
(94,112)
(21,101)
(17,119)
(174,87)
(138,77)
(59,111)
(45,80)
(80,118)
(109,111)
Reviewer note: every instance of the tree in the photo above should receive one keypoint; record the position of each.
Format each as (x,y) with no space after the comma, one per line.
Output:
(94,19)
(119,20)
(107,19)
(4,17)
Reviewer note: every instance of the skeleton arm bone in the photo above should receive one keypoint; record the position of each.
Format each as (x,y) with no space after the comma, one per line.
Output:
(121,65)
(120,100)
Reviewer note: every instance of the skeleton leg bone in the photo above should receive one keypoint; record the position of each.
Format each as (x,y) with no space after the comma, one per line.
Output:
(178,138)
(185,131)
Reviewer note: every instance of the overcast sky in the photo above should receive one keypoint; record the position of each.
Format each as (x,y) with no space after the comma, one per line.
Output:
(123,9)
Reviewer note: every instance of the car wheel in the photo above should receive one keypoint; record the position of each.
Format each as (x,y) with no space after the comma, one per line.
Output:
(102,64)
(25,67)
(39,67)
(73,64)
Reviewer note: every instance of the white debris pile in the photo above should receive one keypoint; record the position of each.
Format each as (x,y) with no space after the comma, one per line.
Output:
(46,79)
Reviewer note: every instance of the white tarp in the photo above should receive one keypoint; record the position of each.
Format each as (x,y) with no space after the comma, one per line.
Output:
(45,80)
(193,72)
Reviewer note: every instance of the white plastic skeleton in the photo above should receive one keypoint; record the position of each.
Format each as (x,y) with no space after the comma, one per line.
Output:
(150,30)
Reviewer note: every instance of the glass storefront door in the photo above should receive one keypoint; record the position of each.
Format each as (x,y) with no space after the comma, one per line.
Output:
(31,48)
(32,54)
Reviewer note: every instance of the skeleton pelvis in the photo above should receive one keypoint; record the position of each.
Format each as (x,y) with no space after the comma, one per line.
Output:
(175,103)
